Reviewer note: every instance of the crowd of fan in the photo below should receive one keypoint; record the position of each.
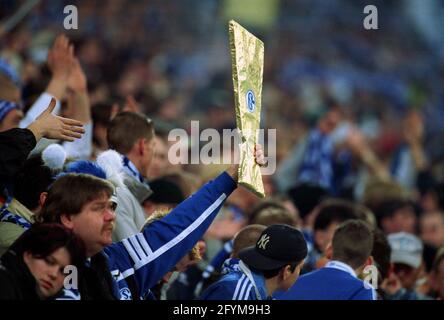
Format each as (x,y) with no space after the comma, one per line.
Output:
(358,181)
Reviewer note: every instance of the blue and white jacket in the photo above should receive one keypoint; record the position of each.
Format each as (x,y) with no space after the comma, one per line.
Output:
(336,281)
(239,283)
(148,255)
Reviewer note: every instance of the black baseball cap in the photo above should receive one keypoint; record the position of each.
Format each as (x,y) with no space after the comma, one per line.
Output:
(165,191)
(277,246)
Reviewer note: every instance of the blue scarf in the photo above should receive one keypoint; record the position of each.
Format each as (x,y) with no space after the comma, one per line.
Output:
(8,216)
(131,170)
(317,163)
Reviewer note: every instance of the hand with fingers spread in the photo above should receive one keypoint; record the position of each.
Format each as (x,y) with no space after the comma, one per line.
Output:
(51,126)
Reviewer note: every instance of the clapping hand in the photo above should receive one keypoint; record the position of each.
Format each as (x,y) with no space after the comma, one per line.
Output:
(51,126)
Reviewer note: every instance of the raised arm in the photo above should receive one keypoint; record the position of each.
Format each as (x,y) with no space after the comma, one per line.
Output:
(155,251)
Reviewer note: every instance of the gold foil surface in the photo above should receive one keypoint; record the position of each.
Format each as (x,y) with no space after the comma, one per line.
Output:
(247,60)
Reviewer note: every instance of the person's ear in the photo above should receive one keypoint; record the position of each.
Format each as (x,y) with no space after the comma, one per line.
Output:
(27,255)
(141,146)
(67,221)
(329,252)
(42,198)
(286,272)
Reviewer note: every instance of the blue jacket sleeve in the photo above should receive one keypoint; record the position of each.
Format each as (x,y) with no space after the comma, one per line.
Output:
(155,251)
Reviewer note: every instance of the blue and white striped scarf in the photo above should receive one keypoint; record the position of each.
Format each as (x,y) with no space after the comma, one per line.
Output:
(317,163)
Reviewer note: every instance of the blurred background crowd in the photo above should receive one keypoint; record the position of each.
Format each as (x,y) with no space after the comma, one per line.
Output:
(358,112)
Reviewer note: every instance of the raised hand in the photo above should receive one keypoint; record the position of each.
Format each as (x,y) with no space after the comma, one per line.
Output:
(131,105)
(77,79)
(60,62)
(51,126)
(61,58)
(355,141)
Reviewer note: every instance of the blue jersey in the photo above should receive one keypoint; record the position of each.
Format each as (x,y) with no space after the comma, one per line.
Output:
(336,281)
(240,283)
(148,255)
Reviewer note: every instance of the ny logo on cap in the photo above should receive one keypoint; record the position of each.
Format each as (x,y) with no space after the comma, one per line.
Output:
(263,241)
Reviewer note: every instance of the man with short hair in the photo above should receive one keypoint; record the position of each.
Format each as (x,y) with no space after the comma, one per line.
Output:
(329,214)
(132,135)
(273,263)
(228,256)
(338,280)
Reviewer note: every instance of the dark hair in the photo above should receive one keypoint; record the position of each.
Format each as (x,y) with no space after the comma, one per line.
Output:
(165,191)
(101,113)
(246,237)
(43,239)
(126,128)
(33,179)
(306,197)
(381,253)
(438,190)
(439,258)
(352,243)
(69,193)
(268,274)
(334,211)
(387,209)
